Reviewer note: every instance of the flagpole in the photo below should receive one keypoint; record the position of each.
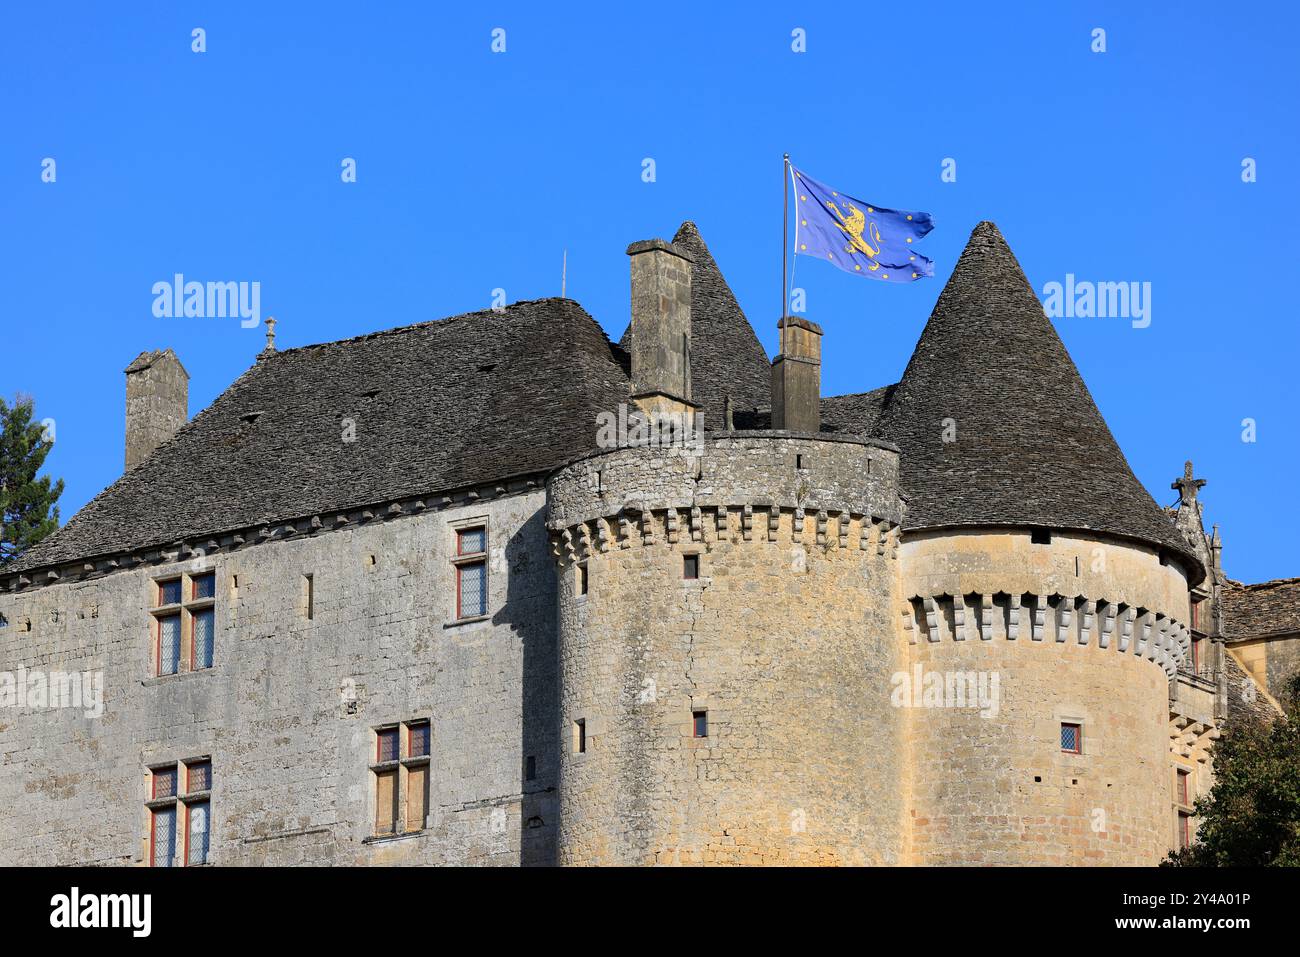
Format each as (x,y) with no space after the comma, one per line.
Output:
(785,238)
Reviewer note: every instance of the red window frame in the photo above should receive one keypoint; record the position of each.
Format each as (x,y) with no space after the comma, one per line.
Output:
(1184,830)
(194,586)
(1183,792)
(157,642)
(185,860)
(1078,738)
(162,583)
(189,772)
(471,560)
(153,835)
(155,774)
(379,744)
(427,727)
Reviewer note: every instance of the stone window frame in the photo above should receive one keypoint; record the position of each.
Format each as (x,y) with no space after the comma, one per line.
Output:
(402,766)
(1184,775)
(1184,789)
(181,801)
(461,560)
(581,580)
(184,610)
(698,555)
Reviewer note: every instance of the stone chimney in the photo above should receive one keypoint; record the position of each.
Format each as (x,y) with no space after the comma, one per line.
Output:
(797,377)
(157,402)
(661,327)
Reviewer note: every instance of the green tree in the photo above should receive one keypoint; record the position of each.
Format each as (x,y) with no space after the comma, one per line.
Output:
(28,505)
(1251,817)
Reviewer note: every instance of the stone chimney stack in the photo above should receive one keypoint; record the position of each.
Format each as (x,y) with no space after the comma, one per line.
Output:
(661,327)
(157,402)
(797,377)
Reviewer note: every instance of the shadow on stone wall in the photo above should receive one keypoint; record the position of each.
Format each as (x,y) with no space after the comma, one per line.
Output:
(530,610)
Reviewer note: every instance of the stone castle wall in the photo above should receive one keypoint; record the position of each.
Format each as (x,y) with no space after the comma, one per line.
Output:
(290,758)
(1082,631)
(785,641)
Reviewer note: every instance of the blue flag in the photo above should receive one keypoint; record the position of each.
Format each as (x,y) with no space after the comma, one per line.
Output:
(858,237)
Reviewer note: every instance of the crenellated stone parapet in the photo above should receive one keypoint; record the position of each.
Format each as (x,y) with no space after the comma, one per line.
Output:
(639,525)
(1055,619)
(753,486)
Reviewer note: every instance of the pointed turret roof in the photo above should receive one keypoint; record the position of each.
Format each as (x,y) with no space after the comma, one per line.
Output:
(726,356)
(1026,445)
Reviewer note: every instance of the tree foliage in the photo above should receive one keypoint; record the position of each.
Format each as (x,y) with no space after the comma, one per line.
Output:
(1251,817)
(28,505)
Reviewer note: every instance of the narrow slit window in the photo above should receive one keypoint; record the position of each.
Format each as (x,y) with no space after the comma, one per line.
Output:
(580,736)
(700,724)
(582,579)
(309,596)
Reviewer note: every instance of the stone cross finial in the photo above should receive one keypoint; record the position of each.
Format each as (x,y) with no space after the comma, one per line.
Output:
(1187,486)
(270,334)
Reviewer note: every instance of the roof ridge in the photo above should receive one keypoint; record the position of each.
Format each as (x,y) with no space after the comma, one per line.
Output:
(430,323)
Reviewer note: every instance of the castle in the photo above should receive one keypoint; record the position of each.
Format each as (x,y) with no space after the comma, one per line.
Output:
(388,600)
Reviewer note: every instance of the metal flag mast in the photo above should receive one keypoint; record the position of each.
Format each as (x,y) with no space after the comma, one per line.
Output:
(785,237)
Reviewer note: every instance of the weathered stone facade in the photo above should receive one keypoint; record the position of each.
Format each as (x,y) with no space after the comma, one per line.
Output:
(290,758)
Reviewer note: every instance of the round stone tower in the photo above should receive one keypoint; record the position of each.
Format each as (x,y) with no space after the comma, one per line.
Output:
(1044,595)
(727,635)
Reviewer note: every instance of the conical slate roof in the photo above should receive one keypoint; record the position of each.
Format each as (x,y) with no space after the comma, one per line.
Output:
(1030,448)
(726,356)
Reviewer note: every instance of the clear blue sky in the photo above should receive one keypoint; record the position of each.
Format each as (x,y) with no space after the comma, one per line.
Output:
(476,170)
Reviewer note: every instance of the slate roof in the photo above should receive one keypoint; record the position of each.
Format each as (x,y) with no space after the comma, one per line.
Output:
(857,413)
(1032,449)
(440,405)
(726,356)
(1267,608)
